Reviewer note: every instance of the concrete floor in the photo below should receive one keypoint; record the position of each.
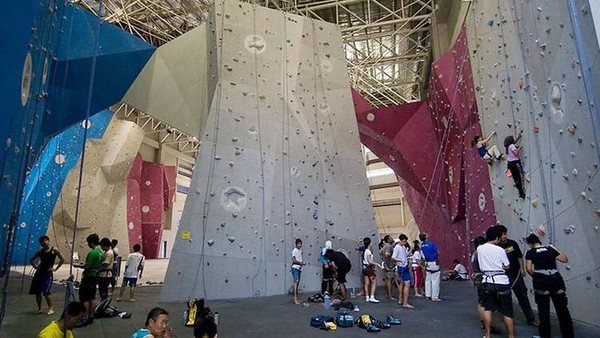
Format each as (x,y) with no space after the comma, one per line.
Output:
(272,316)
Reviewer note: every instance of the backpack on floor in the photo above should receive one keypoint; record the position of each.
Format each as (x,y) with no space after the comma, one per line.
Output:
(318,320)
(344,318)
(105,310)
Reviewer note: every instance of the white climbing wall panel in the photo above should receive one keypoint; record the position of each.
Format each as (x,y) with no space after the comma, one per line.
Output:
(280,159)
(530,74)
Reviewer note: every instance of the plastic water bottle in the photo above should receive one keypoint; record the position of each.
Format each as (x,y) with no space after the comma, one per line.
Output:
(326,302)
(185,316)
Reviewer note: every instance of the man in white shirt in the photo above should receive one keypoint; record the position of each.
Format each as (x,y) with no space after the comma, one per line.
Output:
(297,263)
(400,256)
(134,265)
(493,263)
(458,273)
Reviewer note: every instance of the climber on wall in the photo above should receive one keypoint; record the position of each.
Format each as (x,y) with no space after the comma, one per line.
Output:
(481,144)
(514,161)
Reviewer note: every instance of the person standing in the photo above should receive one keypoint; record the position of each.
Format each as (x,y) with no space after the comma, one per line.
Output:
(369,272)
(432,268)
(328,273)
(116,268)
(133,269)
(341,265)
(389,266)
(514,161)
(297,263)
(493,263)
(540,262)
(516,273)
(41,284)
(91,268)
(416,259)
(63,327)
(157,325)
(400,257)
(105,274)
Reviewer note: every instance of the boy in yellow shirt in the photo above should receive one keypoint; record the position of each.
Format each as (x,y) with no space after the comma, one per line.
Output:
(63,327)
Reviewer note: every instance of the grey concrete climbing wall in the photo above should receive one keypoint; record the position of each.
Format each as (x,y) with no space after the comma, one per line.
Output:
(280,159)
(534,70)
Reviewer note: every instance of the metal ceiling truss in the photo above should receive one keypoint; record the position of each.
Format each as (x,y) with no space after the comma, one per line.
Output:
(387,42)
(159,131)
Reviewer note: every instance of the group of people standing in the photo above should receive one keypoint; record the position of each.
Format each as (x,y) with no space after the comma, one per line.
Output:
(499,270)
(400,264)
(100,271)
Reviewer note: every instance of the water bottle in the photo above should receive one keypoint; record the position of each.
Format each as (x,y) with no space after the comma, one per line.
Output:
(326,302)
(185,316)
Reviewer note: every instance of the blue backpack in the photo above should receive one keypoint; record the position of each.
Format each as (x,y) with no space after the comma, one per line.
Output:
(318,320)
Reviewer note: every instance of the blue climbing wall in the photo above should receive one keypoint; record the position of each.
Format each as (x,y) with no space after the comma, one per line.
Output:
(62,65)
(45,181)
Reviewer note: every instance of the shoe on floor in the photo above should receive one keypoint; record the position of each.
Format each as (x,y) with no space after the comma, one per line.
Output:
(372,328)
(408,306)
(50,312)
(132,300)
(393,320)
(373,300)
(436,300)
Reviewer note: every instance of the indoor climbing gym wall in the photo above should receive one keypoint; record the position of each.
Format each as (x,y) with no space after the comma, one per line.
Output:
(46,179)
(55,74)
(535,70)
(280,159)
(426,143)
(150,191)
(97,195)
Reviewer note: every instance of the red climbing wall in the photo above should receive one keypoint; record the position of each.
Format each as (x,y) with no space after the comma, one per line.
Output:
(152,206)
(427,144)
(169,176)
(150,190)
(134,216)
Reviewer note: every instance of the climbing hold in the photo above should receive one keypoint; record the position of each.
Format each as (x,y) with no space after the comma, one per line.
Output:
(536,129)
(535,203)
(231,239)
(210,242)
(569,229)
(541,230)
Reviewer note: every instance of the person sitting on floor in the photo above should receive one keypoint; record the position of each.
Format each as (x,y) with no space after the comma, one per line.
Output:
(63,328)
(458,273)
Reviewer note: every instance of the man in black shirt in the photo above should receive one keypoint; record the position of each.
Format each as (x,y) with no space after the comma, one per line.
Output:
(516,273)
(341,265)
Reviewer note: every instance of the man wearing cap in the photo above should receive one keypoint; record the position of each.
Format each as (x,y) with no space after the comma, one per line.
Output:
(432,268)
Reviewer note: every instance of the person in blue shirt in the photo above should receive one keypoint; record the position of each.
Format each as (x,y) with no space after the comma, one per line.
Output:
(157,325)
(432,268)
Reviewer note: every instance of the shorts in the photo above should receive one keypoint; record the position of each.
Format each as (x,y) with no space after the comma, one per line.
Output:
(41,283)
(87,289)
(131,281)
(369,271)
(403,273)
(497,297)
(341,275)
(296,274)
(390,274)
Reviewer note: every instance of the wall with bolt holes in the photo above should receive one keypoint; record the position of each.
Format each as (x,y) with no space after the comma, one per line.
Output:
(534,71)
(280,160)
